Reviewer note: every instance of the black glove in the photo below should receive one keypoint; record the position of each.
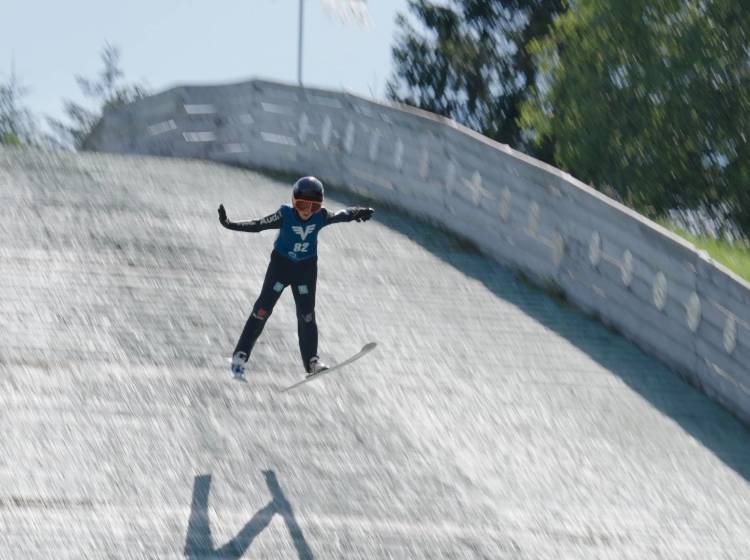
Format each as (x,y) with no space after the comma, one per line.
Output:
(223,215)
(363,214)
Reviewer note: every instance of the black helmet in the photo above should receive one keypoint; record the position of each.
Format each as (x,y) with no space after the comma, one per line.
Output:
(308,188)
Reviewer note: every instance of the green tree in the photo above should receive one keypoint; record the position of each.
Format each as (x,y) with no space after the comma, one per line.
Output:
(471,63)
(17,126)
(650,98)
(107,90)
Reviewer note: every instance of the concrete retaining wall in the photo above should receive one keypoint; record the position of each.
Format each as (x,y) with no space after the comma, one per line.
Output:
(656,288)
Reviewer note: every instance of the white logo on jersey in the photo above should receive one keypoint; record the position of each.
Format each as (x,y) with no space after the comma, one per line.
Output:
(303,233)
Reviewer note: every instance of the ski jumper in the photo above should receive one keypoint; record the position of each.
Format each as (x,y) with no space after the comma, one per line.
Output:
(294,262)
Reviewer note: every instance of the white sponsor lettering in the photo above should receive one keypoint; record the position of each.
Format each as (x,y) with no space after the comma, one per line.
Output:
(270,219)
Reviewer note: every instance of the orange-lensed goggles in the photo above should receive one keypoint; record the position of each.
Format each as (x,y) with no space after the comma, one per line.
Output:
(303,205)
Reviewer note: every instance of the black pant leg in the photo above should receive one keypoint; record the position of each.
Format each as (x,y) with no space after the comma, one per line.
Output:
(273,285)
(303,288)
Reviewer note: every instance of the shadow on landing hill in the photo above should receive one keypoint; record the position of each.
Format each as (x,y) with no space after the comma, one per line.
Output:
(199,542)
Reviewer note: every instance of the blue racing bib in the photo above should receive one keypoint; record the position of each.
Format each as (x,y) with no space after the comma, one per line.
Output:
(298,240)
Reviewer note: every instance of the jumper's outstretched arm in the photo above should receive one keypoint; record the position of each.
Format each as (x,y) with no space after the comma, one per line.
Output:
(349,214)
(272,221)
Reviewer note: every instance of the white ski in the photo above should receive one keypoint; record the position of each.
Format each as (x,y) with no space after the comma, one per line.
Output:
(365,349)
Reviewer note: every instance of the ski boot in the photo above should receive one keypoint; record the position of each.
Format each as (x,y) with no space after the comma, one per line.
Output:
(238,365)
(315,366)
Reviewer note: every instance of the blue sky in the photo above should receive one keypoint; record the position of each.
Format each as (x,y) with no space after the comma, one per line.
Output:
(164,43)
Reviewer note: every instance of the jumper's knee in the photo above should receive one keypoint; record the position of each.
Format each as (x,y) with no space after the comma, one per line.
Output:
(261,313)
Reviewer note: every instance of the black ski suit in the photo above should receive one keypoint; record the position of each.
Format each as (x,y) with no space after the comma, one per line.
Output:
(294,261)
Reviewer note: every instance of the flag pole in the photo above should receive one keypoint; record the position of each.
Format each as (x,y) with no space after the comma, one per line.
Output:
(299,42)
